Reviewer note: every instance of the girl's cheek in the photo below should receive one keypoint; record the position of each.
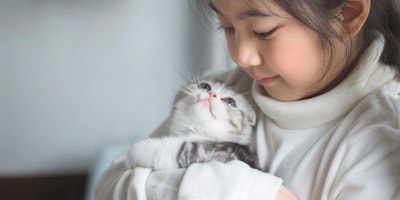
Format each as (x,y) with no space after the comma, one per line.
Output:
(284,57)
(296,60)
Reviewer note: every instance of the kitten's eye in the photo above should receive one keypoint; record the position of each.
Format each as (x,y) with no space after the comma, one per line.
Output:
(229,101)
(205,87)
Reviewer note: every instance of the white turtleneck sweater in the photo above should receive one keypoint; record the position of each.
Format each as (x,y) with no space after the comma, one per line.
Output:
(344,144)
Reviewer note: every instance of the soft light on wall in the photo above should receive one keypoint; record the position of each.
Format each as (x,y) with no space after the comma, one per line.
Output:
(76,75)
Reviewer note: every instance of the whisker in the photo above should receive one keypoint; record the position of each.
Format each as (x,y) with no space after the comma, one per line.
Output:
(188,92)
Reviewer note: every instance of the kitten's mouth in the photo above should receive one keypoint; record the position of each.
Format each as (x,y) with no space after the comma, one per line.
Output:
(208,105)
(211,111)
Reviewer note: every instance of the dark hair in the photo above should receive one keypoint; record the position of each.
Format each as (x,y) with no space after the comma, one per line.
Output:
(384,17)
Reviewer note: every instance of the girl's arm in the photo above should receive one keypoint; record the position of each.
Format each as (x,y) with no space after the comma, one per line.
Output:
(217,181)
(285,194)
(234,180)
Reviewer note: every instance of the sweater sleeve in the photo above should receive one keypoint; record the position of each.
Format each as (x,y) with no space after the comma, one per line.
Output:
(121,183)
(231,181)
(209,181)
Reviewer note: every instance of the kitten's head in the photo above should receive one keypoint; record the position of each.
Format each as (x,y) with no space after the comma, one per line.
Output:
(214,110)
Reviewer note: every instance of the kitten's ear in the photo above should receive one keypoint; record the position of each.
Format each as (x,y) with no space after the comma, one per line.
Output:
(233,77)
(239,79)
(252,117)
(178,97)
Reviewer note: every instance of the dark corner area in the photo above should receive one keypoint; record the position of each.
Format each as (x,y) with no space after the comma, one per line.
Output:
(63,187)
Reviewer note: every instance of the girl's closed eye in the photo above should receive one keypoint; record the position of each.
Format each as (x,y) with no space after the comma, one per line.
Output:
(265,35)
(226,29)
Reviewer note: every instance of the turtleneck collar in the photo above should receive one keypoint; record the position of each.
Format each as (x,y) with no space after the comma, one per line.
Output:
(368,75)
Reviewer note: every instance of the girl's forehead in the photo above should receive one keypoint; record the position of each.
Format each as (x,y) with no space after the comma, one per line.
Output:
(245,8)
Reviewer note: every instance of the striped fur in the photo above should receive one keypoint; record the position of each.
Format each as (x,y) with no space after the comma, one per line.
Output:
(209,122)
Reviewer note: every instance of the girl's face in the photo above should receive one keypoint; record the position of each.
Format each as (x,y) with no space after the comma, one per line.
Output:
(281,54)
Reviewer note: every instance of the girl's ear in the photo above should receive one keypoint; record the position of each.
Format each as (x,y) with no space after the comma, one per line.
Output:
(354,14)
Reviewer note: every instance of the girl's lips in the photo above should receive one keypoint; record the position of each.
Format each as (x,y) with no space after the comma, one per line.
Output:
(267,80)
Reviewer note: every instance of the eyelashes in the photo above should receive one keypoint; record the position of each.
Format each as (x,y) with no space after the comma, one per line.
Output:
(266,34)
(263,35)
(229,29)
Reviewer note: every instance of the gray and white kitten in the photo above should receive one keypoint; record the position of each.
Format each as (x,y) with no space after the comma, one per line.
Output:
(209,122)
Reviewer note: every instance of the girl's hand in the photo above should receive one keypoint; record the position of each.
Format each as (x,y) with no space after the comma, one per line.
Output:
(285,194)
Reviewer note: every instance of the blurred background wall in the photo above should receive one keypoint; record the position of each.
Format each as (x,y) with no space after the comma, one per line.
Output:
(80,74)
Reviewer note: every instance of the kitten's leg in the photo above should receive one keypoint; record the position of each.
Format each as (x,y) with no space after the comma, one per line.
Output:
(200,152)
(158,153)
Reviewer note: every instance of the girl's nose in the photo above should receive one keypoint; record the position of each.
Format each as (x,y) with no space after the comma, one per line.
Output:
(247,54)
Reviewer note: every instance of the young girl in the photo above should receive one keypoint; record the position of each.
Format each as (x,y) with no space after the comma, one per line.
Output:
(324,75)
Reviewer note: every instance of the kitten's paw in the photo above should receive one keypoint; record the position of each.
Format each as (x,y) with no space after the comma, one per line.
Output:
(135,158)
(157,154)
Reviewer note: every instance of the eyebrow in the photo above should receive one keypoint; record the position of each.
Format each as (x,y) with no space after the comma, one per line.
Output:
(251,12)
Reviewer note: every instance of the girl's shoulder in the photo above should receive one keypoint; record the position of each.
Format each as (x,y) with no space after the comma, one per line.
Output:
(386,100)
(380,110)
(370,148)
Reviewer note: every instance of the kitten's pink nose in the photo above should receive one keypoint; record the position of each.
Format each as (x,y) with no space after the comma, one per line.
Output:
(212,94)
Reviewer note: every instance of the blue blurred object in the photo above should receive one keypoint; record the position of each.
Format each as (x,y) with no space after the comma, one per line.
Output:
(104,158)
